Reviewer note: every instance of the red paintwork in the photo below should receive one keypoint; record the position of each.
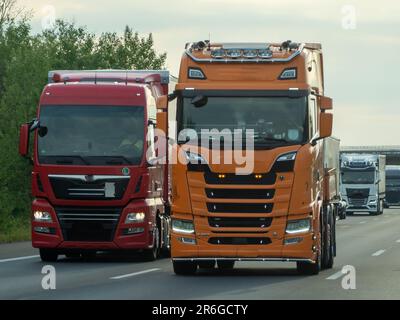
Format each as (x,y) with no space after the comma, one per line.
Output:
(111,94)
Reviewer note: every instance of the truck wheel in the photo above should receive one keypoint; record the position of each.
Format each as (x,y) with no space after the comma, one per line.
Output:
(226,265)
(309,268)
(48,255)
(153,253)
(207,264)
(88,255)
(382,207)
(329,244)
(184,268)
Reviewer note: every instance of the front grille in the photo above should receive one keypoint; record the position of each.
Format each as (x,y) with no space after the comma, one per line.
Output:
(239,241)
(73,188)
(357,202)
(231,178)
(357,193)
(240,193)
(240,207)
(88,224)
(222,222)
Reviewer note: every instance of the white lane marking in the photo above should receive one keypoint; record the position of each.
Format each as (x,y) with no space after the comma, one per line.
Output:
(134,274)
(18,259)
(362,222)
(336,275)
(398,241)
(378,253)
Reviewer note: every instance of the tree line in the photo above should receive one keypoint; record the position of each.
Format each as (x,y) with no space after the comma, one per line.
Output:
(25,59)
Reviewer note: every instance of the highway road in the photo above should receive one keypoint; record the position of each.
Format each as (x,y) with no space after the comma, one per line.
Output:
(371,244)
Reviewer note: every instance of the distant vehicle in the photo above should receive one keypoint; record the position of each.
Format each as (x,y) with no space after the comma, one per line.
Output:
(392,186)
(363,182)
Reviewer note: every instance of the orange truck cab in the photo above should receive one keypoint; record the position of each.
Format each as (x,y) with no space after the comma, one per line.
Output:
(281,207)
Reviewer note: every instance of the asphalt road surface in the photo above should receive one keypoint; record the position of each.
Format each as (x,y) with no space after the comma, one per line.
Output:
(371,244)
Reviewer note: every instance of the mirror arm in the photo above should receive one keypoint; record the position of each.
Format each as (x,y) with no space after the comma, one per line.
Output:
(172,96)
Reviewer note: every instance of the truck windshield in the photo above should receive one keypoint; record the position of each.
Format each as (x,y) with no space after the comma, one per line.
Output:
(358,177)
(91,135)
(275,120)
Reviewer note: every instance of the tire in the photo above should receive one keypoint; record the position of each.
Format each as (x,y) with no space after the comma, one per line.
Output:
(48,255)
(184,268)
(308,268)
(226,264)
(382,207)
(73,255)
(329,244)
(153,253)
(207,264)
(88,255)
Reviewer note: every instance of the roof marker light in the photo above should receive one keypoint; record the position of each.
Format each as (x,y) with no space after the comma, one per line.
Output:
(265,54)
(250,53)
(218,54)
(234,53)
(195,73)
(288,74)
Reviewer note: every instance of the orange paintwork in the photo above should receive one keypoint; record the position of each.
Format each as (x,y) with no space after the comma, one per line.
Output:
(299,194)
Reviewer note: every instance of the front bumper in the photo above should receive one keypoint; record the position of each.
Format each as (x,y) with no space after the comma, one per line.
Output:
(276,250)
(56,240)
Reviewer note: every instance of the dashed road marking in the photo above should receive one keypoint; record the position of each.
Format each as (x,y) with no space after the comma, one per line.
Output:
(378,253)
(134,274)
(398,241)
(362,222)
(336,275)
(18,259)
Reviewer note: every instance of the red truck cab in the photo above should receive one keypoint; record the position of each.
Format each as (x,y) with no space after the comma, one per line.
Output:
(94,185)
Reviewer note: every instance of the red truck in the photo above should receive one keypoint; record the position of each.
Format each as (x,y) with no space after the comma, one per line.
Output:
(95,185)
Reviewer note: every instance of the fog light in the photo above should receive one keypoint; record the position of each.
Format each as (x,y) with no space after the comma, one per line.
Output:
(188,240)
(43,230)
(292,241)
(136,217)
(131,231)
(42,216)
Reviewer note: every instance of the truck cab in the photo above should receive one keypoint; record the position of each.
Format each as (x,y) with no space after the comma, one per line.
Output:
(275,205)
(363,182)
(94,187)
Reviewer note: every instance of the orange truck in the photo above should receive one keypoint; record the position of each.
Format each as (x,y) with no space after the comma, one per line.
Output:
(278,204)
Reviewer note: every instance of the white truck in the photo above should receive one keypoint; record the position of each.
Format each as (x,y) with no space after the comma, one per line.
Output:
(363,182)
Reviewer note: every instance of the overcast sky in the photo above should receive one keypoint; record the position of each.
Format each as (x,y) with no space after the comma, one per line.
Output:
(361,55)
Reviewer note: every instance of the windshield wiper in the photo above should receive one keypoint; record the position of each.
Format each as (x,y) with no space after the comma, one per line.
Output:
(66,161)
(274,139)
(117,160)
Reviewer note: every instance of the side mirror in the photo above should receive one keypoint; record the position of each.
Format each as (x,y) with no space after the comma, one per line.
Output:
(199,101)
(24,140)
(326,124)
(326,103)
(162,102)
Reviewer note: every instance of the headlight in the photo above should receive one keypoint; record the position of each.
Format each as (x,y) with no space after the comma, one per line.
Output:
(291,156)
(194,158)
(183,226)
(42,216)
(135,217)
(298,226)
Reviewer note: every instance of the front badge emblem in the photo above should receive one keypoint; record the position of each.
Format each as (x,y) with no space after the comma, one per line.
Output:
(125,171)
